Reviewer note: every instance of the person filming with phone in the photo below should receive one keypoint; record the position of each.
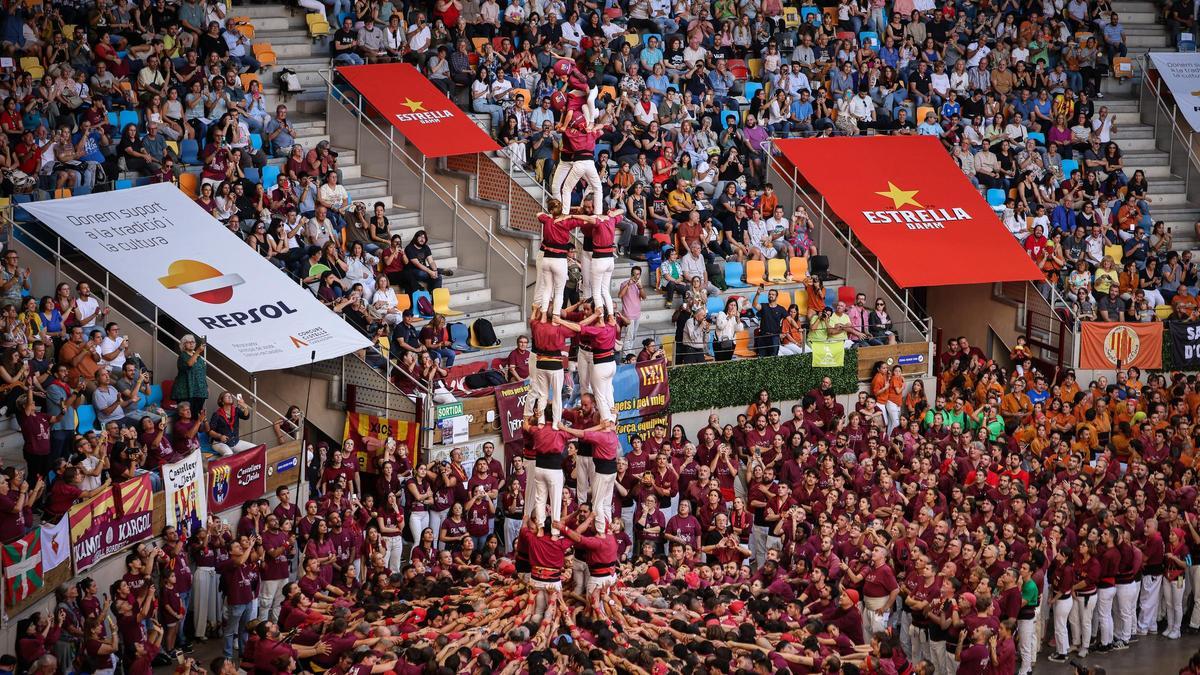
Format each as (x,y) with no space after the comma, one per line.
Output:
(223,425)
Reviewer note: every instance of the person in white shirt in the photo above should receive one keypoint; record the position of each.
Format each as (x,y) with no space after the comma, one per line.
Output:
(87,307)
(645,111)
(794,81)
(572,33)
(1104,125)
(694,265)
(113,348)
(862,109)
(384,303)
(960,80)
(939,81)
(335,199)
(761,240)
(779,111)
(419,36)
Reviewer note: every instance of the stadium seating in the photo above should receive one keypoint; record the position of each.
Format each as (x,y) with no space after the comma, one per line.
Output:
(441,303)
(733,275)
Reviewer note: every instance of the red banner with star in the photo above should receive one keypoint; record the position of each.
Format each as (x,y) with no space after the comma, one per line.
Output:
(418,109)
(908,201)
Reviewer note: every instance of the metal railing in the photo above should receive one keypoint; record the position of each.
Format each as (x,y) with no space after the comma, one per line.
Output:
(411,185)
(54,251)
(830,230)
(1172,134)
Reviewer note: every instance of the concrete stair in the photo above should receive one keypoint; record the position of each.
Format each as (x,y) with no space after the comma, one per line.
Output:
(287,33)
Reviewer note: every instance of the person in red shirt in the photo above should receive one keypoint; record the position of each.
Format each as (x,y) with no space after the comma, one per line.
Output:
(579,162)
(552,268)
(600,553)
(605,449)
(65,492)
(146,650)
(879,591)
(602,334)
(550,348)
(975,656)
(547,556)
(547,488)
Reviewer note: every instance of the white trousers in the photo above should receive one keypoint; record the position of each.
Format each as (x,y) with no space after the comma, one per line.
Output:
(1062,615)
(227,450)
(585,274)
(417,522)
(270,597)
(583,371)
(1125,616)
(544,384)
(395,552)
(601,273)
(547,494)
(943,661)
(584,470)
(1193,573)
(919,640)
(1082,611)
(602,494)
(435,523)
(892,411)
(1103,617)
(1027,645)
(551,282)
(1173,597)
(1152,588)
(582,170)
(602,388)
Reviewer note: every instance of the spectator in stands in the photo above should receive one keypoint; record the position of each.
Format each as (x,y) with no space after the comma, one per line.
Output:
(191,380)
(435,338)
(224,424)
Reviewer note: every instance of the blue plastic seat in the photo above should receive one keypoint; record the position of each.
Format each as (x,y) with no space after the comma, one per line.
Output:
(126,118)
(716,304)
(1038,137)
(995,197)
(81,190)
(416,305)
(252,174)
(123,184)
(806,12)
(724,114)
(1069,166)
(869,38)
(733,275)
(86,419)
(205,443)
(113,120)
(749,90)
(270,174)
(256,141)
(460,337)
(19,214)
(156,395)
(831,297)
(189,151)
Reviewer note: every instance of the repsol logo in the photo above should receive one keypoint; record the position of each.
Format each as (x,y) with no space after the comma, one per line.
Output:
(251,316)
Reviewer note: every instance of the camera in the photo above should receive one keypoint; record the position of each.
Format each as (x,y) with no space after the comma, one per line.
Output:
(333,153)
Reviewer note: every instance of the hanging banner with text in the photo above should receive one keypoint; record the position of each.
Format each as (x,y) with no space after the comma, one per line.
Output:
(110,521)
(183,487)
(369,434)
(510,409)
(1185,344)
(1180,71)
(183,260)
(233,480)
(1105,346)
(641,395)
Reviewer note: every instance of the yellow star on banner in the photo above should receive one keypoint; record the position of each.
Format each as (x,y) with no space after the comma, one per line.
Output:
(900,197)
(413,106)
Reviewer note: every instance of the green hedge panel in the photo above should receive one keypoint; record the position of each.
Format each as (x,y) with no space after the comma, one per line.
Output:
(734,383)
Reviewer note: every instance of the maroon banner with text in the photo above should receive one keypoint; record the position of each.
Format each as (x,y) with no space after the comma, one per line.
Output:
(234,479)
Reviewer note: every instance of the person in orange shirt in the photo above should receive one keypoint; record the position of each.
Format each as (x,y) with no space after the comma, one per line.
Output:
(1061,419)
(881,389)
(1015,405)
(1069,388)
(769,200)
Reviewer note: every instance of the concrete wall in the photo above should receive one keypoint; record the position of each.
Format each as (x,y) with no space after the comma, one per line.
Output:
(970,311)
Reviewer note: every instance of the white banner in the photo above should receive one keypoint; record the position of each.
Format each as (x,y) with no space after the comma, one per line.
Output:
(167,248)
(56,543)
(1181,73)
(187,498)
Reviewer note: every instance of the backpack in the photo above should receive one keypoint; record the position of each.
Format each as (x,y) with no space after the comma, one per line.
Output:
(484,333)
(425,306)
(484,379)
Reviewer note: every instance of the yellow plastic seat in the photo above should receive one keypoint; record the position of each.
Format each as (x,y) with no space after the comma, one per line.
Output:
(441,302)
(1115,252)
(1163,312)
(791,17)
(247,78)
(668,346)
(777,269)
(756,67)
(33,66)
(173,146)
(62,193)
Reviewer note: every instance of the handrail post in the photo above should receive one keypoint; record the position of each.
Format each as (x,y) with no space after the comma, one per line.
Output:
(254,399)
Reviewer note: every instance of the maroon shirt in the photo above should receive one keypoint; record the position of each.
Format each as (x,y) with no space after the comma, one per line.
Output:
(35,430)
(238,582)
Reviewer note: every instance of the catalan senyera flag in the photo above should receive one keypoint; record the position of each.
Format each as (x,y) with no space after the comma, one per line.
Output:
(22,567)
(366,430)
(1107,345)
(135,495)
